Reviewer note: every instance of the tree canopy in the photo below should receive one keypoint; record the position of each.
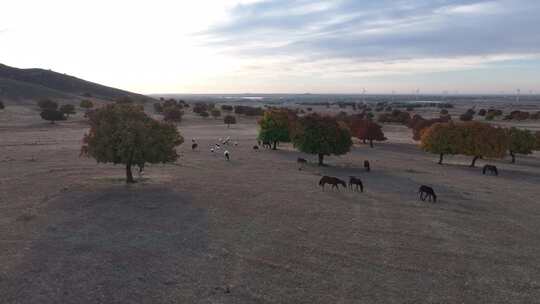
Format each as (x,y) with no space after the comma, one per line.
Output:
(86,104)
(274,126)
(124,134)
(520,142)
(442,138)
(366,129)
(467,138)
(52,115)
(322,135)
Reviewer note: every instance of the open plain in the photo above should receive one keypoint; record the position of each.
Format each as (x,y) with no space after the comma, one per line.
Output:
(257,229)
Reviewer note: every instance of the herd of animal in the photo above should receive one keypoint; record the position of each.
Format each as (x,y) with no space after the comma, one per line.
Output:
(355,183)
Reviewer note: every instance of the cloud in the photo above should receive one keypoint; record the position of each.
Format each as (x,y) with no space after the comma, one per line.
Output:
(394,34)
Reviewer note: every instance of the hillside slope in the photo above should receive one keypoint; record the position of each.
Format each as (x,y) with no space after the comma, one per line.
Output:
(29,84)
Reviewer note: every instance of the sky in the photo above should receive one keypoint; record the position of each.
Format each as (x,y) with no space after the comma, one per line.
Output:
(280,46)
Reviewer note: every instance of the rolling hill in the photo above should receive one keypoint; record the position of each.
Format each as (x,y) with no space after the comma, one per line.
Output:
(20,85)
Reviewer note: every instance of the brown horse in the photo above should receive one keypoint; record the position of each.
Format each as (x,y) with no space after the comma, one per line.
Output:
(334,181)
(354,181)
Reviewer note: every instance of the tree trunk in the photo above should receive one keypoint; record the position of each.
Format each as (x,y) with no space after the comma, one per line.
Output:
(371,143)
(364,141)
(440,158)
(321,159)
(129,175)
(513,157)
(473,164)
(275,146)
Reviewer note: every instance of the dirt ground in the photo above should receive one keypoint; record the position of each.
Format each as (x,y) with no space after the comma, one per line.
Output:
(257,229)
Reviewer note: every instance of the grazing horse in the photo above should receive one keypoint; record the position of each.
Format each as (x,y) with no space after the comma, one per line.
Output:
(354,181)
(334,181)
(194,146)
(255,147)
(490,168)
(301,163)
(426,192)
(227,156)
(266,144)
(366,165)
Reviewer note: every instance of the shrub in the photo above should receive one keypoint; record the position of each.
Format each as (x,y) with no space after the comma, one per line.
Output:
(482,112)
(229,120)
(204,114)
(124,134)
(200,108)
(52,115)
(321,135)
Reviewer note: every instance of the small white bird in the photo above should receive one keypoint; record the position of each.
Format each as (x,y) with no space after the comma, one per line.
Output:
(226,153)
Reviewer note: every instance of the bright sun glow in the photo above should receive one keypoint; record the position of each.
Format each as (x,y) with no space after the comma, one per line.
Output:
(210,46)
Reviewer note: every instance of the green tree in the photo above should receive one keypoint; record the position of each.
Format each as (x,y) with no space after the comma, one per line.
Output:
(67,109)
(321,135)
(52,115)
(521,142)
(483,140)
(124,134)
(86,104)
(229,120)
(442,138)
(274,126)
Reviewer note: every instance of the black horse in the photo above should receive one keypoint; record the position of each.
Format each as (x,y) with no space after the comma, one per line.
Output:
(255,147)
(334,181)
(194,146)
(354,181)
(301,163)
(490,169)
(366,166)
(426,192)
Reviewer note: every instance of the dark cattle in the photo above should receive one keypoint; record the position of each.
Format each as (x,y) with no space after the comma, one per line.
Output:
(334,181)
(227,156)
(194,146)
(255,147)
(357,183)
(301,163)
(366,166)
(426,192)
(491,169)
(267,145)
